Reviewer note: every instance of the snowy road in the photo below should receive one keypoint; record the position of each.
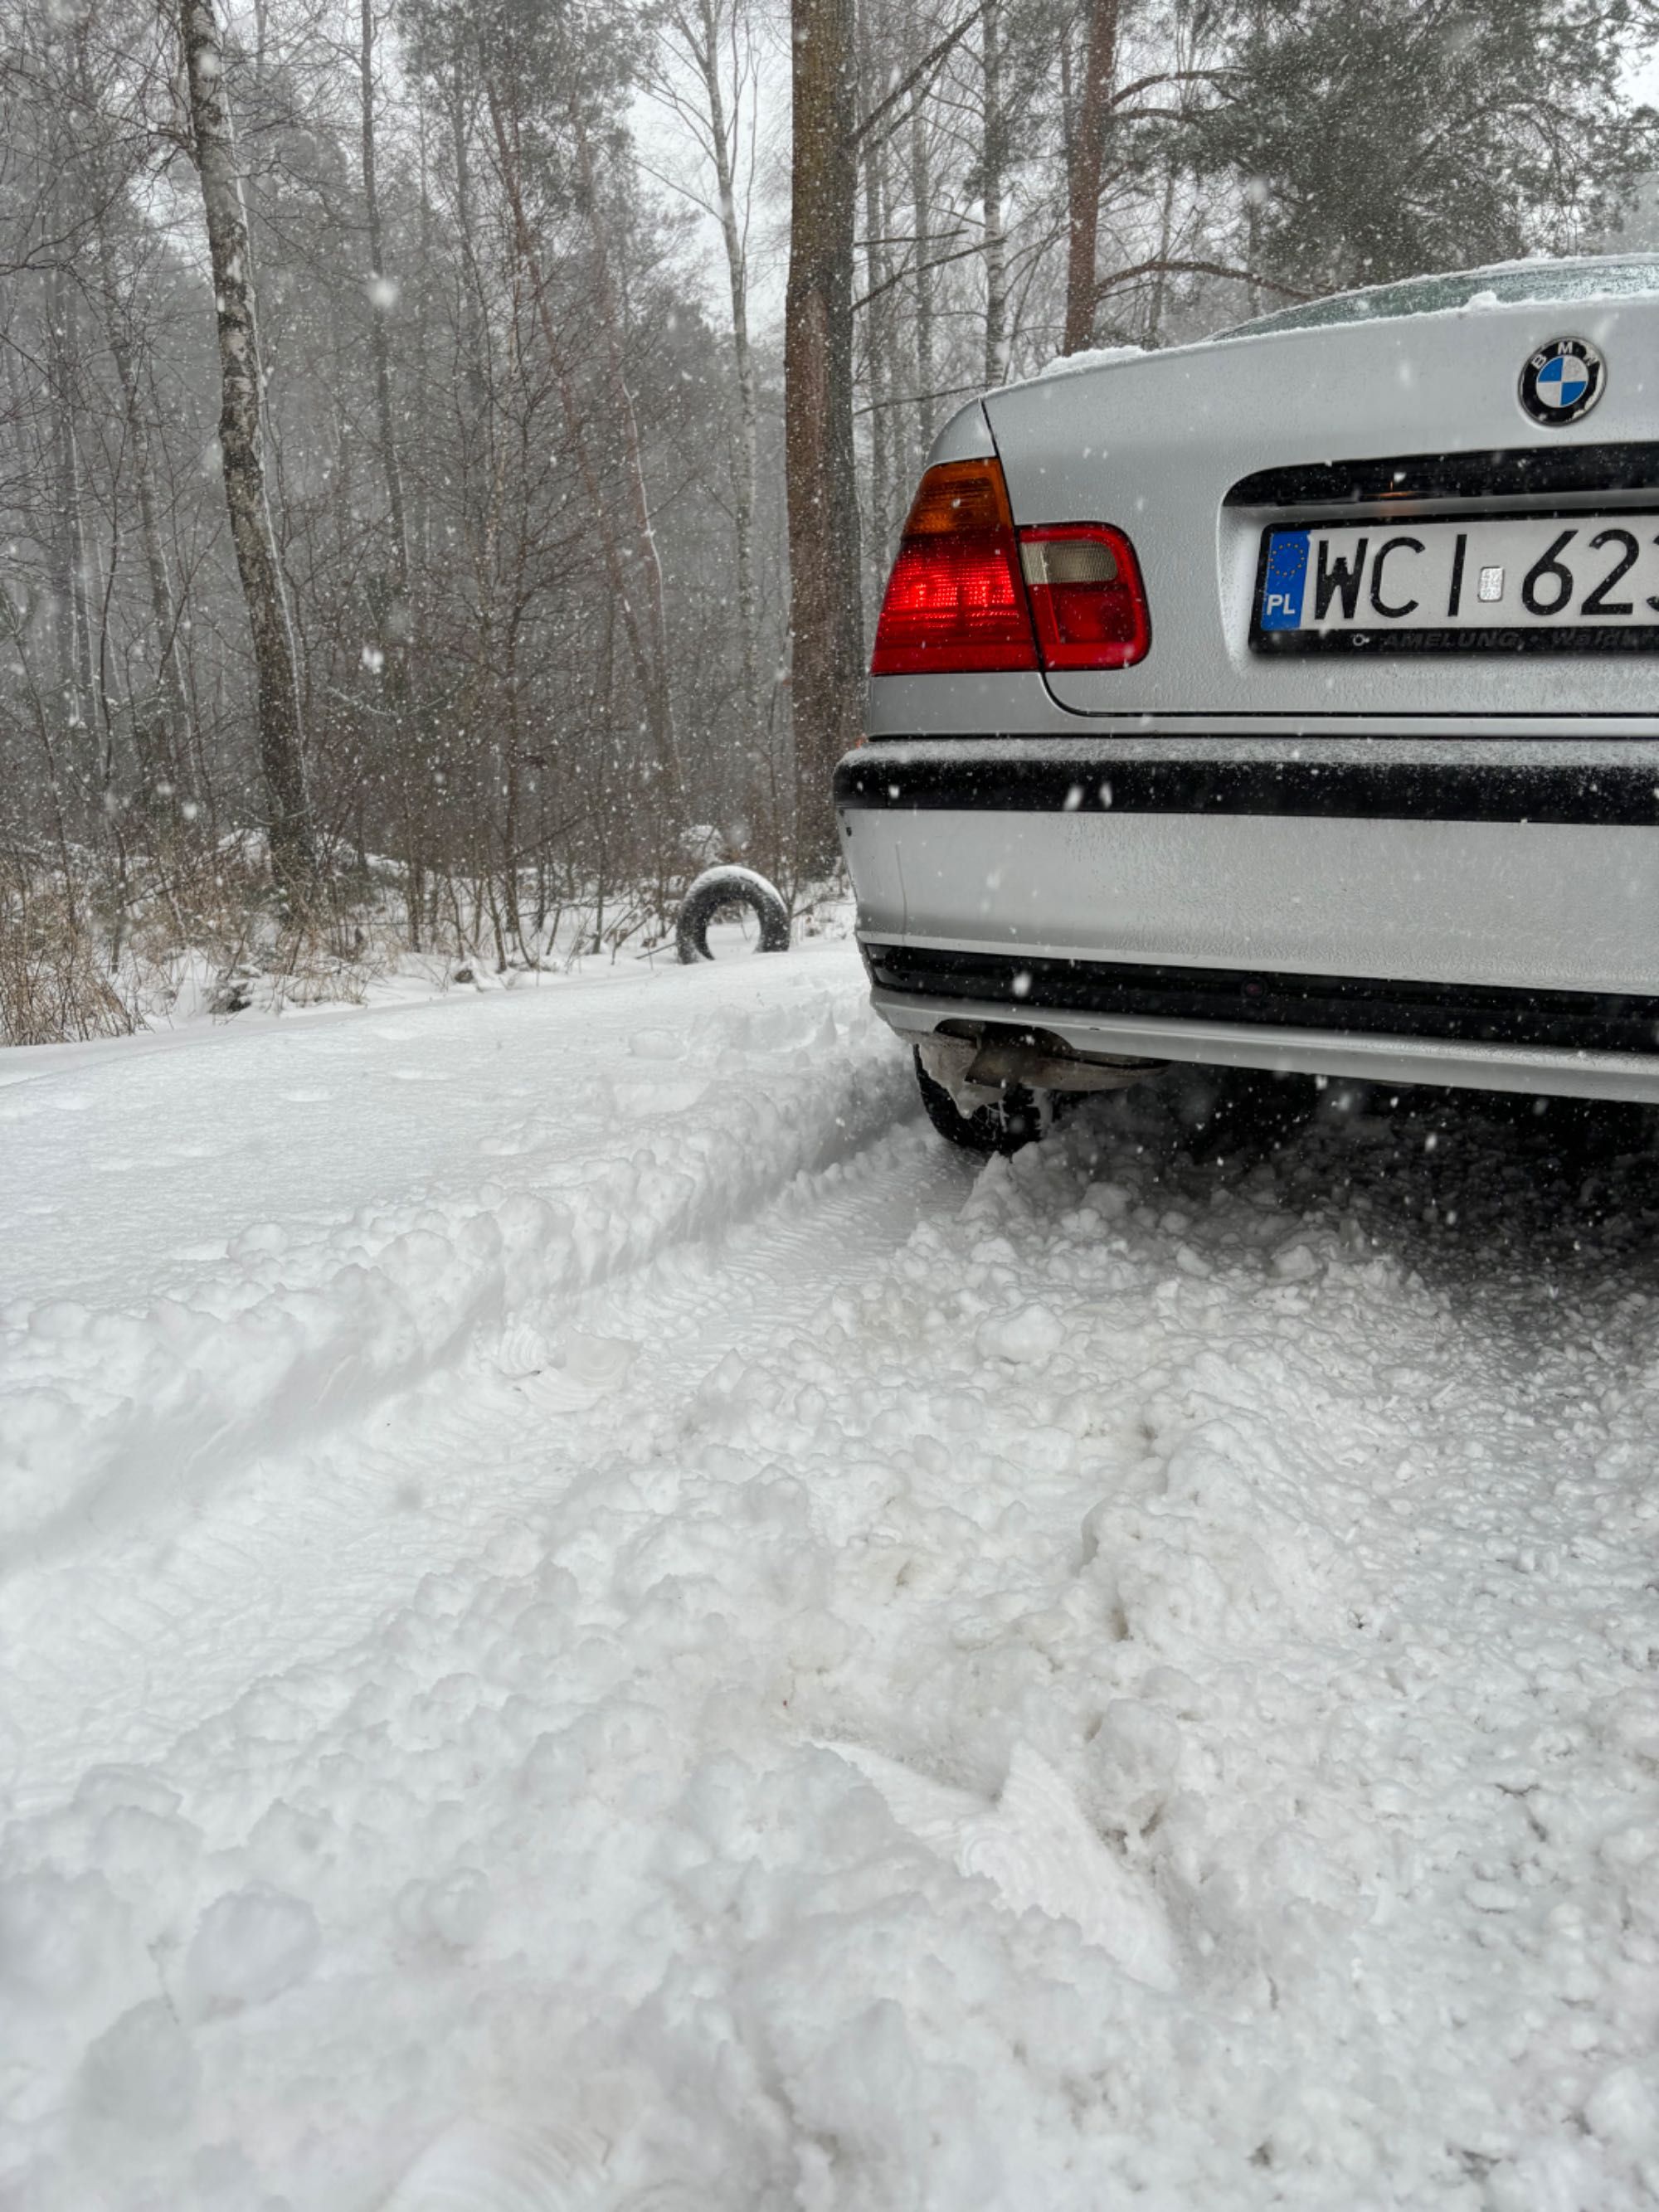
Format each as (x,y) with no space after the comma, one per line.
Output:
(591,1620)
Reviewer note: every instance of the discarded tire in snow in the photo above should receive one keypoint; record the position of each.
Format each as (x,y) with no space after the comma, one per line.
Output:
(716,888)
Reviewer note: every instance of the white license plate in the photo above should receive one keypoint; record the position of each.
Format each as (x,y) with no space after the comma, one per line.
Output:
(1569,583)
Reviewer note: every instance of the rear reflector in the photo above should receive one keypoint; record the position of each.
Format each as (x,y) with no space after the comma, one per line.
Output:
(1087,594)
(954,600)
(966,586)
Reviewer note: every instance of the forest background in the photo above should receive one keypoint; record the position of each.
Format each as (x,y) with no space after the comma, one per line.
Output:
(450,450)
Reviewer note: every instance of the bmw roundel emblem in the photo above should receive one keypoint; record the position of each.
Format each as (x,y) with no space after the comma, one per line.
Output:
(1562,380)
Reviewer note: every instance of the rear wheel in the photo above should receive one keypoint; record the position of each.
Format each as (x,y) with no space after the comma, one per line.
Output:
(1013,1120)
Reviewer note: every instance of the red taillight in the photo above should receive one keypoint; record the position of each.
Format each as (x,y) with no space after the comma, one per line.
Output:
(966,586)
(1087,594)
(954,600)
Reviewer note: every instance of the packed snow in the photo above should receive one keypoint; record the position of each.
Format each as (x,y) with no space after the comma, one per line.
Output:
(592,1619)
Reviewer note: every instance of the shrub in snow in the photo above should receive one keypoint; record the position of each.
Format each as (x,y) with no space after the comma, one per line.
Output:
(252,1944)
(716,888)
(703,843)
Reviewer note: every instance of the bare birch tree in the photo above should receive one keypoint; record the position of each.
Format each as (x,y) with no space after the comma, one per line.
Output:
(921,201)
(282,758)
(993,164)
(713,41)
(163,737)
(382,299)
(646,560)
(878,347)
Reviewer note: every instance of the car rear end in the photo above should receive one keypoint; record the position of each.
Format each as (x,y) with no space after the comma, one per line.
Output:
(1192,735)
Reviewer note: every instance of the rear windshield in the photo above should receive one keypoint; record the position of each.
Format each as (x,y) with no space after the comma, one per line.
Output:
(1610,277)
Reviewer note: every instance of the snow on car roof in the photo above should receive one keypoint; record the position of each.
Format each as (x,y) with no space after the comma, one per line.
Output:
(1497,284)
(1502,283)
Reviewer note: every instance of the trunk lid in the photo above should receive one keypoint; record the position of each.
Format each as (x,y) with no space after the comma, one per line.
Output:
(1165,446)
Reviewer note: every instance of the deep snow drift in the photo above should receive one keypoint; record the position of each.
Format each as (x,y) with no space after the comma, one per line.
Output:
(591,1620)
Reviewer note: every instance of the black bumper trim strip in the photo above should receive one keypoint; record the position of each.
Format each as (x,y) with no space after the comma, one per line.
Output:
(1463,1013)
(1399,791)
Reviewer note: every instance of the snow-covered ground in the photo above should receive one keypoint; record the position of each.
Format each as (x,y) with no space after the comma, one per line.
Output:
(589,1618)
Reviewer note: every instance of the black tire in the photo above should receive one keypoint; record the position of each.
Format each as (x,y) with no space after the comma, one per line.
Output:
(1012,1122)
(724,887)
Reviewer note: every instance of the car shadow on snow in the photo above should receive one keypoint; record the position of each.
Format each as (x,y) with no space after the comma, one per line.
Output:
(1479,1190)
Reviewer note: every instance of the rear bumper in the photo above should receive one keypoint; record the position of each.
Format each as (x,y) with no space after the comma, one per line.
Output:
(1394,1059)
(1452,915)
(1573,1044)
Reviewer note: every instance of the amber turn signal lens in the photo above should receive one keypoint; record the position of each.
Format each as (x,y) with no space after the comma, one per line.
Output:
(959,495)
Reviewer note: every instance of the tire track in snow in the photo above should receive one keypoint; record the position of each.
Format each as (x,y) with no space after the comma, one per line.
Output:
(111,1658)
(109,1414)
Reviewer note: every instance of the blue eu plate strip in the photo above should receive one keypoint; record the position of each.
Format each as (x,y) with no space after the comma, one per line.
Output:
(1282,586)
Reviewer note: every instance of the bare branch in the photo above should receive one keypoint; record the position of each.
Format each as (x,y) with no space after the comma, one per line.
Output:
(1169,77)
(936,54)
(1168,268)
(911,269)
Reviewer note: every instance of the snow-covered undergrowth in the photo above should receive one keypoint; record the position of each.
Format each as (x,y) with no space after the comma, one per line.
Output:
(90,950)
(1115,1678)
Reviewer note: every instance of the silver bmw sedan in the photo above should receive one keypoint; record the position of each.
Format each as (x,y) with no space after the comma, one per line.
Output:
(1287,701)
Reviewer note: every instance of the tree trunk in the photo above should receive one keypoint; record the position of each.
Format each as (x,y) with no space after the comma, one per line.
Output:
(922,197)
(746,460)
(1155,310)
(71,630)
(826,619)
(646,665)
(282,758)
(1083,170)
(382,295)
(993,159)
(60,552)
(659,697)
(173,760)
(393,601)
(878,321)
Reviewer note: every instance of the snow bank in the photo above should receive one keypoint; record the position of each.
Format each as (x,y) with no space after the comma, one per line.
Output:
(559,1157)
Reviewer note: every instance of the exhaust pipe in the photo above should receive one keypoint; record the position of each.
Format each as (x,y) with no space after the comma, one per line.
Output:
(987,1057)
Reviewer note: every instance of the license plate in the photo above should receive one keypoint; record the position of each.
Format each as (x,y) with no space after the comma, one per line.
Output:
(1556,583)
